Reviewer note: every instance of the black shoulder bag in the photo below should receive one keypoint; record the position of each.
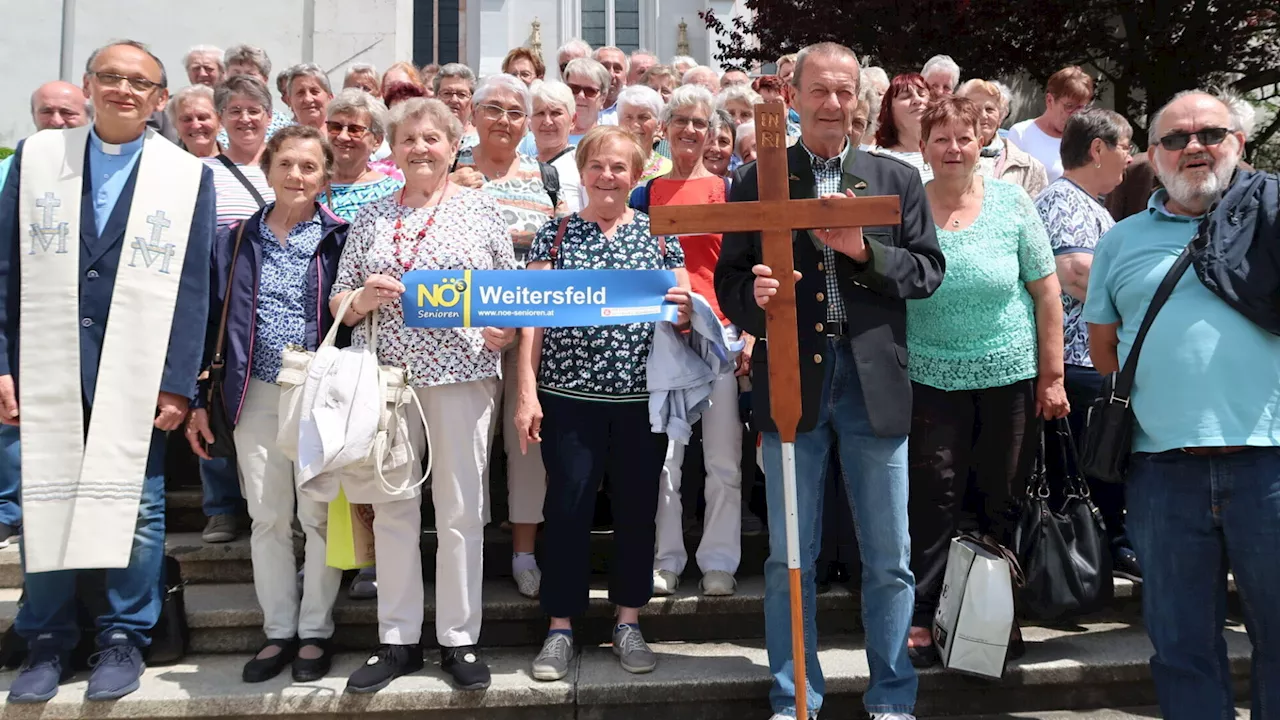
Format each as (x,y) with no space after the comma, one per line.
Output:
(239,174)
(224,442)
(1108,434)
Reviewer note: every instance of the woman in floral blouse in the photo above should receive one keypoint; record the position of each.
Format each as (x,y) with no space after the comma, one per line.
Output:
(430,224)
(585,388)
(986,355)
(1097,146)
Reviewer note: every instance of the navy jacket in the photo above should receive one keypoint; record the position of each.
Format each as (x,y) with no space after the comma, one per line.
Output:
(242,313)
(905,264)
(1237,249)
(99,259)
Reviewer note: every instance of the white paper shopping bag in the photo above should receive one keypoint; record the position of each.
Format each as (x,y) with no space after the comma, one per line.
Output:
(975,614)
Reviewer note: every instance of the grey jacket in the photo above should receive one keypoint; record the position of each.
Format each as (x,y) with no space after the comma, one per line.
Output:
(682,367)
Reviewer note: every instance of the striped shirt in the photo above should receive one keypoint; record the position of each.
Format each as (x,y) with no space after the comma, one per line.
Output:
(914,159)
(235,203)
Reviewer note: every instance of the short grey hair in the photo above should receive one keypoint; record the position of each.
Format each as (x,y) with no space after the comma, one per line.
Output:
(552,92)
(204,50)
(683,60)
(1006,98)
(1243,115)
(746,129)
(742,93)
(255,56)
(687,96)
(310,70)
(1086,126)
(454,70)
(187,93)
(503,83)
(361,68)
(164,76)
(942,63)
(1153,129)
(721,120)
(592,69)
(640,52)
(246,85)
(693,72)
(432,110)
(626,61)
(868,94)
(574,45)
(641,96)
(355,100)
(877,75)
(823,49)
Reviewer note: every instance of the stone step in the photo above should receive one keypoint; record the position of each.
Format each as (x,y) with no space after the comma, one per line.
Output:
(1099,665)
(1143,713)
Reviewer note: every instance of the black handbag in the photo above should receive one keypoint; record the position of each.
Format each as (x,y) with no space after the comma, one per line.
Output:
(1064,551)
(223,429)
(1108,434)
(171,636)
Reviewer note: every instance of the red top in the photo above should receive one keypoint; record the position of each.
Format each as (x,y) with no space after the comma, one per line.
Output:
(700,251)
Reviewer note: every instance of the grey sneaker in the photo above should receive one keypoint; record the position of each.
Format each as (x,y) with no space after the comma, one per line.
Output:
(632,651)
(665,582)
(553,660)
(220,529)
(718,583)
(528,582)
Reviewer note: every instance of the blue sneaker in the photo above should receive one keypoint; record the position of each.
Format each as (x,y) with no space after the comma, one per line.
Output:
(46,666)
(117,669)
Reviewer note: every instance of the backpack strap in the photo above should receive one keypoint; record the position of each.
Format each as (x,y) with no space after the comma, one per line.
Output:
(550,183)
(554,252)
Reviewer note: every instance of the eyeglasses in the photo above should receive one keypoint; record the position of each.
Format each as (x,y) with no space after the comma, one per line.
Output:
(249,112)
(355,131)
(1127,148)
(139,84)
(585,91)
(680,122)
(493,113)
(455,95)
(1206,136)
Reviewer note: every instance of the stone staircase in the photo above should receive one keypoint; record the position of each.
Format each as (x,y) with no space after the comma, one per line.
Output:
(712,659)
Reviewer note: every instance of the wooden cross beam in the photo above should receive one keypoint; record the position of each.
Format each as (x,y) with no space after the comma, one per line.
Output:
(776,216)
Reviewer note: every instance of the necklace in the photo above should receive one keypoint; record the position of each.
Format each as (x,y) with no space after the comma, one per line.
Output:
(397,238)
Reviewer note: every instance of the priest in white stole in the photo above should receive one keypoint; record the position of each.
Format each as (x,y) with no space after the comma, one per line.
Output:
(105,235)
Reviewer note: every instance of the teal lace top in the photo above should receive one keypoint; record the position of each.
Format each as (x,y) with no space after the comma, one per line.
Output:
(979,329)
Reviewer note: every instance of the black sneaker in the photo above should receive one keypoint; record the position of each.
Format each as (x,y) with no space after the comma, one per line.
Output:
(7,533)
(117,669)
(464,664)
(1124,563)
(386,664)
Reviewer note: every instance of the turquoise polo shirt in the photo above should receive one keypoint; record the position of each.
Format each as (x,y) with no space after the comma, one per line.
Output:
(1207,376)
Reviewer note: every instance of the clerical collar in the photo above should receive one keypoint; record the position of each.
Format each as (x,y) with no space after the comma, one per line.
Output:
(828,163)
(107,148)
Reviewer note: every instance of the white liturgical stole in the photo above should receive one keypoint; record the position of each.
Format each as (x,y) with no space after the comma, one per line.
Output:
(80,494)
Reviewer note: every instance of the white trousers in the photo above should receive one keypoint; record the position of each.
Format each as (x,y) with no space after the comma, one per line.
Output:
(461,421)
(267,483)
(526,476)
(721,546)
(397,534)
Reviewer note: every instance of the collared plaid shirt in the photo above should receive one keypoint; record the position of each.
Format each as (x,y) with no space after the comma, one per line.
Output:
(826,174)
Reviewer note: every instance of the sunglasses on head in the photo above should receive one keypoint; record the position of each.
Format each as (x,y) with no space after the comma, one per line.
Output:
(1207,137)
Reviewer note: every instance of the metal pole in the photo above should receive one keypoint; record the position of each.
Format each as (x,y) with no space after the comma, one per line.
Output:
(793,572)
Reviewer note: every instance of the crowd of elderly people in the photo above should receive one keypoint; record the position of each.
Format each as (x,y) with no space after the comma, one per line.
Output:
(325,199)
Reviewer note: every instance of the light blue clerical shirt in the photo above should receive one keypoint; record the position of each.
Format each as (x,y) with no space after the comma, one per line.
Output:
(4,169)
(109,168)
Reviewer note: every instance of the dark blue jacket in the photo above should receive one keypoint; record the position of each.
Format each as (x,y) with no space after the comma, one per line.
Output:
(99,260)
(242,313)
(1237,249)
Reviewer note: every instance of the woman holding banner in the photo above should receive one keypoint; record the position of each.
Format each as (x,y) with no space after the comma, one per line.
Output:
(269,273)
(583,395)
(431,224)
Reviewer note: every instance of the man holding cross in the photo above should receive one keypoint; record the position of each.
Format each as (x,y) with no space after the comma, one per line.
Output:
(850,302)
(104,282)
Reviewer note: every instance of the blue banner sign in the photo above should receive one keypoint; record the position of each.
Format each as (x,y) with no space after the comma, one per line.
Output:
(536,298)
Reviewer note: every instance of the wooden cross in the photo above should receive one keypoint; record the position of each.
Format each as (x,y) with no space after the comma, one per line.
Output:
(776,217)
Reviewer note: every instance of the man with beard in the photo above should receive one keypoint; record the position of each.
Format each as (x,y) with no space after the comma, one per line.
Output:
(1203,489)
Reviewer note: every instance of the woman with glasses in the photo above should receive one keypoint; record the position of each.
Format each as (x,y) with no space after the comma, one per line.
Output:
(356,127)
(454,85)
(1097,147)
(502,105)
(524,64)
(244,107)
(588,80)
(1000,158)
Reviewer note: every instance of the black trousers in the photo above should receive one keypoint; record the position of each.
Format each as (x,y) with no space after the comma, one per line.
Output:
(581,441)
(975,443)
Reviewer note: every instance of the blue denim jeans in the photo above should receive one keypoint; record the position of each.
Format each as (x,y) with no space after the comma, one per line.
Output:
(874,472)
(221,487)
(133,593)
(10,477)
(1190,519)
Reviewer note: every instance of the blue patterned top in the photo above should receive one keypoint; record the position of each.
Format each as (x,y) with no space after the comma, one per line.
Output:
(1075,222)
(346,200)
(978,330)
(282,294)
(601,363)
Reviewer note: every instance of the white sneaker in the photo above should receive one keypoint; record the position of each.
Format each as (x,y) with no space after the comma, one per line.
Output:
(893,716)
(529,582)
(665,582)
(718,583)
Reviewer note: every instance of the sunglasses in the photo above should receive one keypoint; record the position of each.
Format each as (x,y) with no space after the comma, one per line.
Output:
(1207,137)
(585,91)
(355,131)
